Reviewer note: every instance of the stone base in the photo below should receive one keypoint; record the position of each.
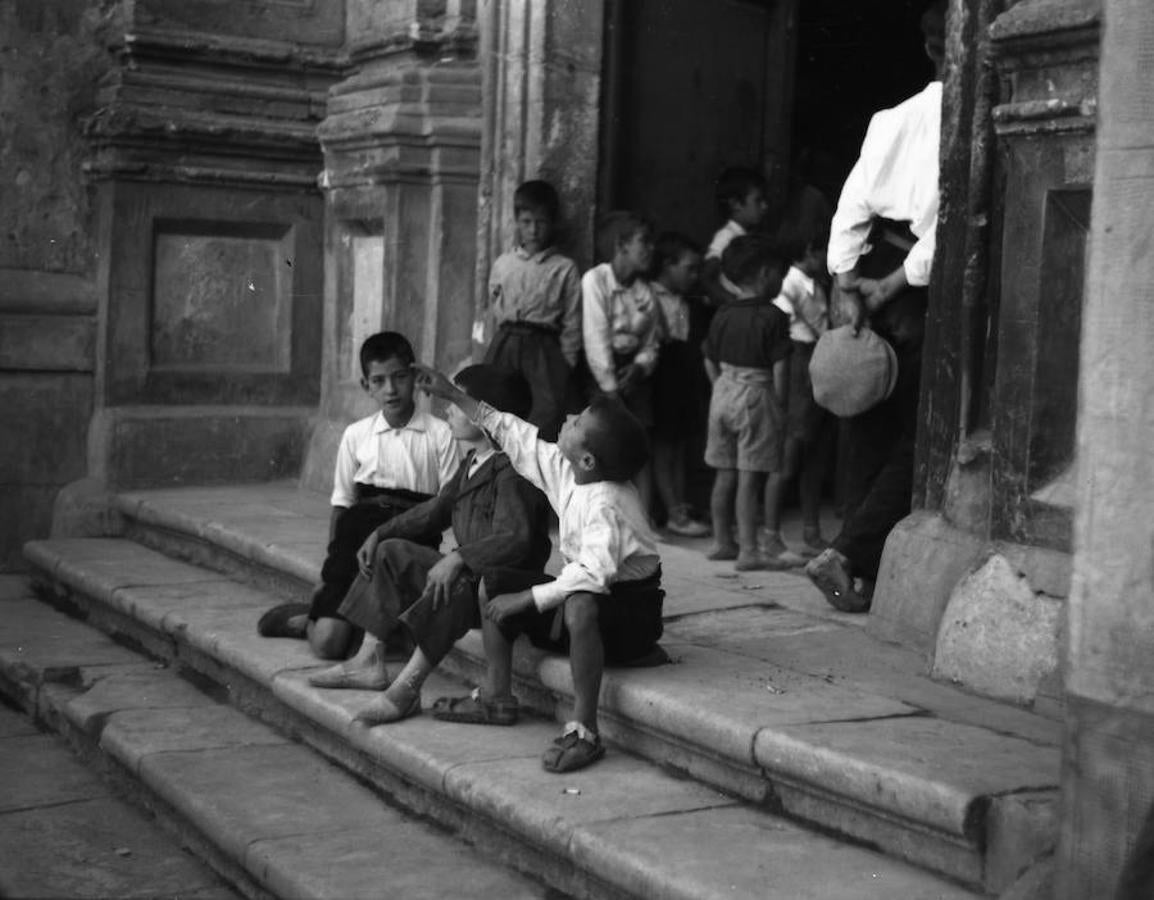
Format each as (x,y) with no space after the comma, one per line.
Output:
(132,447)
(924,559)
(987,616)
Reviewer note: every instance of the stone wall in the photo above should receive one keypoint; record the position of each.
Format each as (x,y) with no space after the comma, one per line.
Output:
(52,55)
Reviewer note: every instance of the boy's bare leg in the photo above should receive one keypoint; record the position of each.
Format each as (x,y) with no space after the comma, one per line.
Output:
(366,671)
(330,638)
(748,503)
(721,508)
(498,683)
(402,698)
(586,656)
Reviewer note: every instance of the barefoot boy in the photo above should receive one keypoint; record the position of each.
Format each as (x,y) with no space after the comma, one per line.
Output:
(386,463)
(746,358)
(501,523)
(605,605)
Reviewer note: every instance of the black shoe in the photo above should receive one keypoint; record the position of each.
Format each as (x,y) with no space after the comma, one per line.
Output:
(277,622)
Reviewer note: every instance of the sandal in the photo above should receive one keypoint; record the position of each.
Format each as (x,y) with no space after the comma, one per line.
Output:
(476,710)
(577,748)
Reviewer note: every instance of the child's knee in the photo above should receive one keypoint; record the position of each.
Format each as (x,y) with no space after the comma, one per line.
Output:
(581,612)
(329,638)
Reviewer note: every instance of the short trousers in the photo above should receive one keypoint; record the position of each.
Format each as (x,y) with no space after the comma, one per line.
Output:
(629,619)
(745,429)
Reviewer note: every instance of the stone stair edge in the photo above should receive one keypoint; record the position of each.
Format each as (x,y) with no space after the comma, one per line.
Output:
(463,784)
(129,762)
(952,824)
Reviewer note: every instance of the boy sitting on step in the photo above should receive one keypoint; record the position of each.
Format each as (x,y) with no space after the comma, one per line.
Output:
(605,605)
(386,463)
(501,523)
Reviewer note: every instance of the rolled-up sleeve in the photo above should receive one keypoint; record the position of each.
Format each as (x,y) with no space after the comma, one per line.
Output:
(595,567)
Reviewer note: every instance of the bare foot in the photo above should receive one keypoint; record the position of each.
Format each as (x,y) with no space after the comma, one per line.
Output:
(364,672)
(391,707)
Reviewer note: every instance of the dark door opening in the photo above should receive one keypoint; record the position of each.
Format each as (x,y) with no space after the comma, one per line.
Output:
(788,87)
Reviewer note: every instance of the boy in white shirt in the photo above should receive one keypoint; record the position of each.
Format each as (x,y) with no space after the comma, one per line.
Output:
(387,462)
(605,605)
(809,428)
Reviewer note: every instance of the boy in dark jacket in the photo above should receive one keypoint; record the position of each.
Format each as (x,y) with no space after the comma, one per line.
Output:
(502,529)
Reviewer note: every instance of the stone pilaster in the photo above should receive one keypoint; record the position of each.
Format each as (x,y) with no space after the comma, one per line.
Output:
(203,159)
(401,141)
(1108,768)
(541,118)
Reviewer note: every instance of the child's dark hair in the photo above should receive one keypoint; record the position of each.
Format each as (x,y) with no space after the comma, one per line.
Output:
(734,185)
(502,389)
(383,346)
(616,228)
(669,247)
(748,254)
(537,196)
(616,439)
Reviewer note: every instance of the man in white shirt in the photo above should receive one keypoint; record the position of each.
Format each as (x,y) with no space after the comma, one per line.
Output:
(881,250)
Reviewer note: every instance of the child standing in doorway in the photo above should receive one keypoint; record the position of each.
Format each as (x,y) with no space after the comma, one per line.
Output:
(677,264)
(535,304)
(809,428)
(746,357)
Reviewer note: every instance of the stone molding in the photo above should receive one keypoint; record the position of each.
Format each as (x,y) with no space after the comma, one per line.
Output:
(195,108)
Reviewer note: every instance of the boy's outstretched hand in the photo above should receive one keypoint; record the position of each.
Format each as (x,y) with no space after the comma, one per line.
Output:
(434,383)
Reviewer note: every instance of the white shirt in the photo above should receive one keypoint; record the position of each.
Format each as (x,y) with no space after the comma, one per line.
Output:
(542,288)
(479,459)
(721,239)
(895,177)
(617,319)
(420,455)
(604,533)
(806,304)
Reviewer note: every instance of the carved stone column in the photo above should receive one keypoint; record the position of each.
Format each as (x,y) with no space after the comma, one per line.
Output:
(401,141)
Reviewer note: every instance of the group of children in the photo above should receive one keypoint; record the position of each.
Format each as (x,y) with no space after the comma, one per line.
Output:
(515,445)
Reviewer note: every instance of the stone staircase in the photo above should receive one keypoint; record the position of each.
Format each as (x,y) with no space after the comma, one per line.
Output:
(784,754)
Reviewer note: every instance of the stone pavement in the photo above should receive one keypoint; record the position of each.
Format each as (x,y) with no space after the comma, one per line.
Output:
(65,834)
(773,699)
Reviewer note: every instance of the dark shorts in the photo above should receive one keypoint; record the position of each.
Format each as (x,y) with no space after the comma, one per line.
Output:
(391,597)
(629,619)
(374,507)
(677,387)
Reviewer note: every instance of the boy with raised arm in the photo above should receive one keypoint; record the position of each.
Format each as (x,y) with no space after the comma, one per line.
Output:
(605,605)
(501,525)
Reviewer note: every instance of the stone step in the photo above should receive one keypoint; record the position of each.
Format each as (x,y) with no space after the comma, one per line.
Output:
(272,816)
(756,707)
(626,827)
(65,833)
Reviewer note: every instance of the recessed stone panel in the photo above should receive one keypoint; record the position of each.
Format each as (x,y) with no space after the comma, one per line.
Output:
(221,297)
